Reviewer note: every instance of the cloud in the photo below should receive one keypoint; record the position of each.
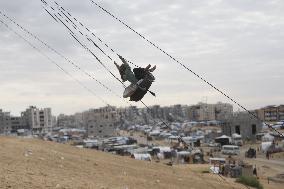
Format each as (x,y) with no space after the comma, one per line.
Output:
(237,45)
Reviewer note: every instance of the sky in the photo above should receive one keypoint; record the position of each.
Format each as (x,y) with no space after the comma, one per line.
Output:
(236,45)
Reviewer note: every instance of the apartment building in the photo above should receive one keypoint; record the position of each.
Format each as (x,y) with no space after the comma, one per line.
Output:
(17,123)
(5,122)
(205,112)
(243,124)
(271,113)
(102,122)
(38,120)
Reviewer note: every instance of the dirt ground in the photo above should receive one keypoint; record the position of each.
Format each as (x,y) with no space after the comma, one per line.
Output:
(265,168)
(35,164)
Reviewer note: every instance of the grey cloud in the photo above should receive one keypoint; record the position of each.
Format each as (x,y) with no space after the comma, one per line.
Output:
(237,45)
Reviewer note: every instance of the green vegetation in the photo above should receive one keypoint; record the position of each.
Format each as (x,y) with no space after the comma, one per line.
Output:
(250,181)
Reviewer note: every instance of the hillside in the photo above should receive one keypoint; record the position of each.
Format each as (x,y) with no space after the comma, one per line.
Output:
(31,163)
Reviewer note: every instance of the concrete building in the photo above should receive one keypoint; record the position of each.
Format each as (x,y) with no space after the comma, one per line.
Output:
(39,121)
(280,112)
(70,121)
(102,122)
(5,122)
(176,112)
(205,112)
(17,123)
(243,124)
(223,110)
(66,121)
(271,113)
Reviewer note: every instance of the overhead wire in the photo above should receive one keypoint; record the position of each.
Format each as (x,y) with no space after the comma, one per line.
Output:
(184,66)
(92,53)
(75,26)
(62,56)
(88,50)
(188,69)
(59,54)
(52,49)
(65,12)
(72,34)
(84,46)
(52,61)
(89,39)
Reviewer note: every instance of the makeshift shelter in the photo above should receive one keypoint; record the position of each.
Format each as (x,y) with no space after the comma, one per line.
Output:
(145,157)
(161,152)
(265,146)
(267,138)
(184,157)
(223,140)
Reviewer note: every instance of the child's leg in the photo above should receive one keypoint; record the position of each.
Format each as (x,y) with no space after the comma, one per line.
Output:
(152,69)
(148,67)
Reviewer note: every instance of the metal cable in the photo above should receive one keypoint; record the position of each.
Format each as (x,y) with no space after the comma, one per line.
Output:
(184,66)
(53,62)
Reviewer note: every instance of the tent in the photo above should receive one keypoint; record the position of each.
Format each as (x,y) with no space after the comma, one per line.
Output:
(267,138)
(223,140)
(265,146)
(145,157)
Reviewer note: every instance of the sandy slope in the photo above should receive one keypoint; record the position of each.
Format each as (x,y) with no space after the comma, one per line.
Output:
(30,163)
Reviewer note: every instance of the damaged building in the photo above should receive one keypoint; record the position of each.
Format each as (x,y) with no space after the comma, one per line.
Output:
(102,122)
(243,124)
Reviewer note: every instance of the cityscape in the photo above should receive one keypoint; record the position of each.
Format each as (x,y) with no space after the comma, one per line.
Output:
(141,94)
(207,135)
(41,121)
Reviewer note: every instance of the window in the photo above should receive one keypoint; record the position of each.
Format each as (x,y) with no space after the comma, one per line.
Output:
(253,129)
(100,131)
(237,129)
(101,125)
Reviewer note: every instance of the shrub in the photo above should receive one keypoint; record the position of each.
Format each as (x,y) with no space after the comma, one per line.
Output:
(250,181)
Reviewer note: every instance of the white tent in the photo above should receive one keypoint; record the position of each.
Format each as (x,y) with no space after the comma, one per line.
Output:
(223,136)
(267,138)
(146,157)
(265,146)
(235,135)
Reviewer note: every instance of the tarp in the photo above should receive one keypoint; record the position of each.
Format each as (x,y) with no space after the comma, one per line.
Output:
(173,137)
(214,170)
(154,133)
(265,146)
(163,148)
(146,157)
(267,138)
(235,135)
(223,140)
(223,136)
(183,153)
